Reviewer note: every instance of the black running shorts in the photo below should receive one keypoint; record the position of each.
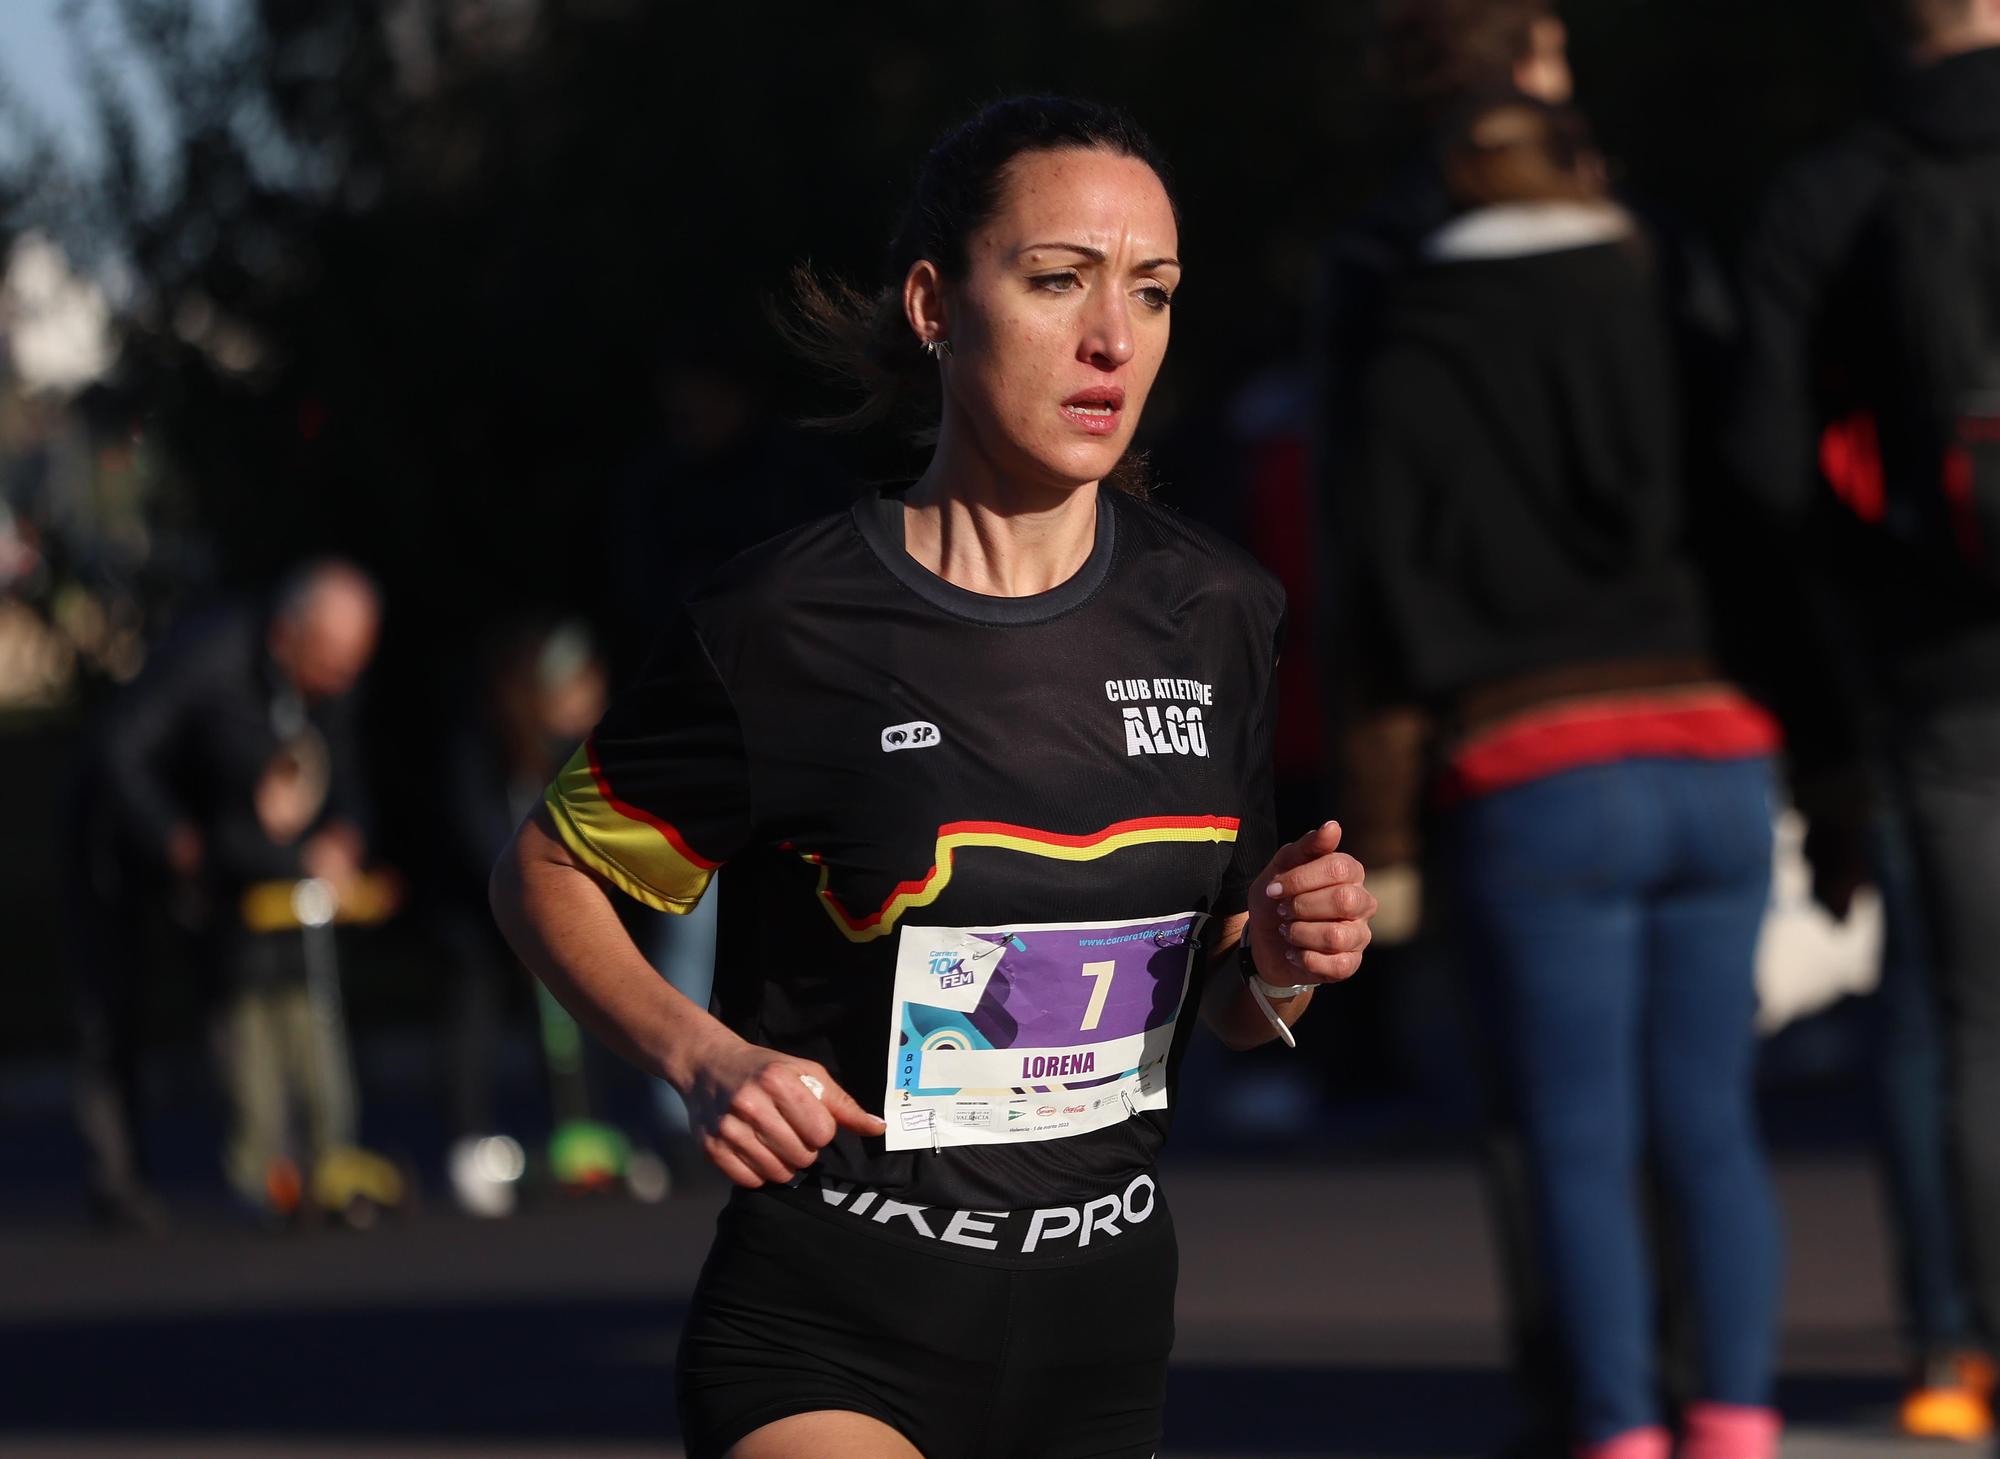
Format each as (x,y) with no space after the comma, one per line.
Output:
(1031,1335)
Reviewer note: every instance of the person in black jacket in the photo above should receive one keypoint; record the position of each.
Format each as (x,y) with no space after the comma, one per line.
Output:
(1828,361)
(1522,517)
(229,762)
(1441,57)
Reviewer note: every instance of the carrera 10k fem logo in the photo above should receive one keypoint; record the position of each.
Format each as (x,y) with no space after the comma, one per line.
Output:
(950,970)
(1162,716)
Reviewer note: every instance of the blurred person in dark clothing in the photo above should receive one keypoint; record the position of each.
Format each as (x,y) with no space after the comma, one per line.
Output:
(1523,512)
(1437,55)
(185,746)
(1867,429)
(230,761)
(544,685)
(1441,57)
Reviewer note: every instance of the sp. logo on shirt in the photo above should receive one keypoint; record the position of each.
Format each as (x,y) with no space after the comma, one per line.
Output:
(918,734)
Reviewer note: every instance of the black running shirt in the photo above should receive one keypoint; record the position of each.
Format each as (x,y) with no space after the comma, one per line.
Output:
(998,822)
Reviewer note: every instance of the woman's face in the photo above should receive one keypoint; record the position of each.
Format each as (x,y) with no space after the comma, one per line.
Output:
(1058,328)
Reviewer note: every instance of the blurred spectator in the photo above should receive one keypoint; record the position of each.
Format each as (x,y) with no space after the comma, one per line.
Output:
(1522,521)
(1867,428)
(1441,57)
(228,763)
(543,686)
(1437,56)
(1950,1395)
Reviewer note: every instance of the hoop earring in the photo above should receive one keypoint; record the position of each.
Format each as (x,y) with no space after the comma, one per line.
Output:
(938,349)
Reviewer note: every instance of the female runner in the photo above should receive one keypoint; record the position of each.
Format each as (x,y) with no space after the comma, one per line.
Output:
(987,762)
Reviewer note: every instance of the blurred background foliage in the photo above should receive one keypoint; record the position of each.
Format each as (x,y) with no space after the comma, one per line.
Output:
(407,280)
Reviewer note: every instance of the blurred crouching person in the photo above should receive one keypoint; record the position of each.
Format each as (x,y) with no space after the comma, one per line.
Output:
(230,762)
(1605,793)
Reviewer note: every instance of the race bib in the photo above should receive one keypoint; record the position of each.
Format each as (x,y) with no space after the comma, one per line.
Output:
(1037,1031)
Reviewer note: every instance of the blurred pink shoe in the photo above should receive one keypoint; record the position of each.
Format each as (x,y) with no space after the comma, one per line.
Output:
(1651,1443)
(1730,1431)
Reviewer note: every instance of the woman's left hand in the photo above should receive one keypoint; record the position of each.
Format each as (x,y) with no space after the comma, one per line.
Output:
(1309,911)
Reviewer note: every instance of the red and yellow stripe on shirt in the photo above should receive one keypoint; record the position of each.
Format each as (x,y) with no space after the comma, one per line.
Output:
(955,836)
(648,858)
(639,853)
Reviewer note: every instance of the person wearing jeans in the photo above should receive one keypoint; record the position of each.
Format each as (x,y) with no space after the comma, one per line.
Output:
(1520,530)
(1862,429)
(1949,762)
(1611,914)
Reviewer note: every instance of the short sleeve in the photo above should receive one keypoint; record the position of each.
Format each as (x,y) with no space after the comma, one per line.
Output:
(1257,830)
(659,796)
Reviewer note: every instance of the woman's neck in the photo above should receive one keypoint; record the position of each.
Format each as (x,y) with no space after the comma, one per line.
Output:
(987,534)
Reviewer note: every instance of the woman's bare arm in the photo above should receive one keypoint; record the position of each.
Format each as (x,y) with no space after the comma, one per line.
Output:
(762,1115)
(559,919)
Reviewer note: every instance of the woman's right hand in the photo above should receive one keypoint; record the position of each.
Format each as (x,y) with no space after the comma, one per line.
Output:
(763,1116)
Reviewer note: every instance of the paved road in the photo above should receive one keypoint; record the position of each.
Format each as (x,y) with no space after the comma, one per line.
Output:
(1347,1313)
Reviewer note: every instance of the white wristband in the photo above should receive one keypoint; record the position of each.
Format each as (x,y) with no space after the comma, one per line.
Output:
(1256,987)
(1261,992)
(1282,990)
(1246,965)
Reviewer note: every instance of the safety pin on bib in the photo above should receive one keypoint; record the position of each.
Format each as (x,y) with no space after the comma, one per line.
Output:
(1007,940)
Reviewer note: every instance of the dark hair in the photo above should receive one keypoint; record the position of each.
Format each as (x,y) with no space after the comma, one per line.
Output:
(1437,52)
(1926,20)
(1518,149)
(863,340)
